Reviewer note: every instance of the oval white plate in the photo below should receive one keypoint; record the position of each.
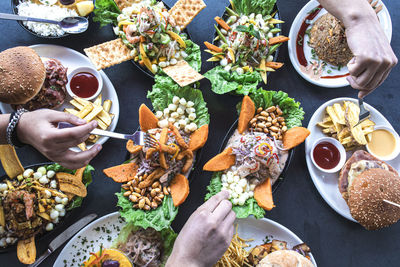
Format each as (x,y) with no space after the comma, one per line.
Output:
(259,229)
(72,60)
(386,23)
(102,231)
(327,183)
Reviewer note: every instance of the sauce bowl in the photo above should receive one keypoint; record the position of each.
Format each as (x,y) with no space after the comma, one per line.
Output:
(396,150)
(90,70)
(338,145)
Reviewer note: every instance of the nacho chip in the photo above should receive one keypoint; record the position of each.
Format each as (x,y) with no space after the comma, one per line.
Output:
(184,11)
(9,159)
(221,162)
(132,148)
(263,195)
(182,73)
(198,138)
(122,173)
(147,119)
(69,183)
(246,114)
(26,250)
(179,189)
(294,137)
(108,54)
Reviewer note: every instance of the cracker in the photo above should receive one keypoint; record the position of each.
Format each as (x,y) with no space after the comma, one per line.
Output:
(124,3)
(108,54)
(182,73)
(184,11)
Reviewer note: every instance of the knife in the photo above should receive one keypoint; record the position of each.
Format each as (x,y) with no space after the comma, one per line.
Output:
(63,237)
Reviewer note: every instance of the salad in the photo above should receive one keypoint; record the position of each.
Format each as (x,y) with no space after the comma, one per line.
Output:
(154,180)
(253,159)
(244,47)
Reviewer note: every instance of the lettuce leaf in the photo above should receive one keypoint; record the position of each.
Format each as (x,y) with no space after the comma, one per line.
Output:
(293,113)
(159,219)
(194,55)
(246,7)
(165,89)
(223,81)
(106,12)
(250,207)
(168,237)
(86,180)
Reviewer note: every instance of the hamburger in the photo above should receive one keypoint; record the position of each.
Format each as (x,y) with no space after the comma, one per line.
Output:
(285,258)
(31,82)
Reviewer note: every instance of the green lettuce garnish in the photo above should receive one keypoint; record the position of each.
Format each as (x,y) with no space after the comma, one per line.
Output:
(106,12)
(194,55)
(250,207)
(246,7)
(223,81)
(159,219)
(292,112)
(165,89)
(168,237)
(86,180)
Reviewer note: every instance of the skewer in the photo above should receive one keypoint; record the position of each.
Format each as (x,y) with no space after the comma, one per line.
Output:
(391,203)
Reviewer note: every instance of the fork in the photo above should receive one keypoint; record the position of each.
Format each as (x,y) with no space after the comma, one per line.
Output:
(377,8)
(138,138)
(364,113)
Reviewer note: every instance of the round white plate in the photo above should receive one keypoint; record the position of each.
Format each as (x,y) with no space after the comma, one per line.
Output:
(251,228)
(327,183)
(102,231)
(386,23)
(72,60)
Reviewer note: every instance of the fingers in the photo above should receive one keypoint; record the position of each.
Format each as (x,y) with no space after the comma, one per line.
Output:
(75,160)
(74,134)
(213,202)
(229,220)
(222,210)
(58,116)
(355,68)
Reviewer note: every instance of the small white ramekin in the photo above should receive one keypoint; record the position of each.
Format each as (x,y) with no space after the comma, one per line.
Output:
(395,152)
(338,145)
(89,70)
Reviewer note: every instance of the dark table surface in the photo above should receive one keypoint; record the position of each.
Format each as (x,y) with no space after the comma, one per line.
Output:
(334,240)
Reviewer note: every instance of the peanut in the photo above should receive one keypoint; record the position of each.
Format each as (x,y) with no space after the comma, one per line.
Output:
(274,128)
(137,190)
(127,193)
(133,198)
(259,109)
(141,203)
(165,191)
(261,125)
(264,114)
(146,207)
(278,111)
(271,109)
(155,184)
(262,118)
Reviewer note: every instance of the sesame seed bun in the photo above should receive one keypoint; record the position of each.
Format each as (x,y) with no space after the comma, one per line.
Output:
(366,195)
(22,74)
(285,258)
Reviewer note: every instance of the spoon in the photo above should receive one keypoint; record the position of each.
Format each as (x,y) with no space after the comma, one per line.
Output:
(69,24)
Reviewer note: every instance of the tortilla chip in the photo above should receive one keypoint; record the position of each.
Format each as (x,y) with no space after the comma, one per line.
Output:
(69,183)
(108,54)
(147,119)
(26,250)
(184,11)
(294,137)
(122,173)
(263,195)
(182,73)
(124,3)
(179,189)
(198,138)
(132,148)
(221,162)
(70,196)
(9,159)
(246,114)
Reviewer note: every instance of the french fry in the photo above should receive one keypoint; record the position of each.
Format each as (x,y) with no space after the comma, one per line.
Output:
(71,111)
(107,105)
(105,117)
(101,124)
(76,104)
(85,111)
(98,100)
(95,111)
(82,102)
(82,146)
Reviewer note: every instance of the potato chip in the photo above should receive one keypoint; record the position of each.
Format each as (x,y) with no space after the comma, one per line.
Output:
(26,250)
(9,159)
(70,183)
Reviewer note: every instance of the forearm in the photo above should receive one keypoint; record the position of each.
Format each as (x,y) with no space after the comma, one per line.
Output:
(4,119)
(350,12)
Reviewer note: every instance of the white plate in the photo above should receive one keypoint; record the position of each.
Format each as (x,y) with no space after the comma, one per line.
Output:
(102,231)
(327,183)
(72,60)
(262,228)
(386,23)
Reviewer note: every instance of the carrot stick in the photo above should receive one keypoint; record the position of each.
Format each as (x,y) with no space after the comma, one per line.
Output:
(274,65)
(222,23)
(213,47)
(278,39)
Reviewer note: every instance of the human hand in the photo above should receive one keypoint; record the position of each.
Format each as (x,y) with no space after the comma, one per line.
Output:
(373,55)
(206,235)
(39,129)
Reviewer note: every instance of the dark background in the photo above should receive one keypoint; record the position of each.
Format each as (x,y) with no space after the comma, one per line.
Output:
(334,240)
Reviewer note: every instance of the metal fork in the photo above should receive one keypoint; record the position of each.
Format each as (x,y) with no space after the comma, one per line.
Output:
(139,137)
(377,8)
(364,113)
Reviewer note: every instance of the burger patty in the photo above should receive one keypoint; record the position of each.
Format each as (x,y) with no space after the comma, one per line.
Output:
(359,162)
(328,38)
(53,92)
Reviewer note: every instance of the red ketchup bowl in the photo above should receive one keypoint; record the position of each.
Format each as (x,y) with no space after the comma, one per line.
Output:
(328,155)
(84,82)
